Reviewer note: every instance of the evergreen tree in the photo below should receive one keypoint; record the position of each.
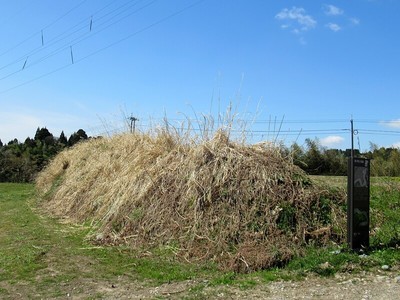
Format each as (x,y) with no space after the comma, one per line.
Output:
(13,142)
(20,162)
(1,143)
(42,134)
(77,137)
(82,134)
(30,142)
(63,140)
(49,140)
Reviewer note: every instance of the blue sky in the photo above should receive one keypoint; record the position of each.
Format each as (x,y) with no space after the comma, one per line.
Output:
(303,68)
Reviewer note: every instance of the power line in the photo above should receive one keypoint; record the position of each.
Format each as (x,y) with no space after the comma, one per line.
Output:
(76,40)
(85,21)
(35,79)
(160,21)
(284,122)
(304,121)
(40,48)
(41,31)
(379,132)
(307,121)
(273,134)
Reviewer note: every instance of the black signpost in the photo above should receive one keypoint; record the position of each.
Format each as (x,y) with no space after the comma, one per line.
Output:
(358,195)
(358,203)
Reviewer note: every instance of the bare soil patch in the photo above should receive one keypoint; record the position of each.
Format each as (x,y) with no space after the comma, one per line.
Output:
(343,286)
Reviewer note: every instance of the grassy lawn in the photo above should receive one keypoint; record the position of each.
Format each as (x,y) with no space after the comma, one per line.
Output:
(42,257)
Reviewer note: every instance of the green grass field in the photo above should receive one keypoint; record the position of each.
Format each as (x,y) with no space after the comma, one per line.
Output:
(45,258)
(41,257)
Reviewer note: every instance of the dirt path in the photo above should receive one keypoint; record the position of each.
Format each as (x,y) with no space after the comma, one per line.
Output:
(383,285)
(362,287)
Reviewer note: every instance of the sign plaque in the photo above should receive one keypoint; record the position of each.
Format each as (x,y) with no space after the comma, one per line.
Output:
(358,188)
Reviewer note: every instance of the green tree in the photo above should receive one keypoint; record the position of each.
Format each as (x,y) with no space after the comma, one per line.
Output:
(314,160)
(298,155)
(20,162)
(62,139)
(336,162)
(76,137)
(30,142)
(394,163)
(82,134)
(42,134)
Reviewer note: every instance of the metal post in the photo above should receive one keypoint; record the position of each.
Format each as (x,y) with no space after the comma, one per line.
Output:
(350,179)
(352,139)
(133,123)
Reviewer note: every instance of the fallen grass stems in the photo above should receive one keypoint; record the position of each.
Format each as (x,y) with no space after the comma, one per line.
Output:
(47,258)
(243,207)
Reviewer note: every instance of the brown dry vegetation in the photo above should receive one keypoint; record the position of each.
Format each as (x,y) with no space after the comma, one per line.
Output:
(245,207)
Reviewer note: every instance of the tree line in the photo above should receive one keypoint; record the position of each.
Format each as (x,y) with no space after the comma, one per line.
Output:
(318,160)
(21,161)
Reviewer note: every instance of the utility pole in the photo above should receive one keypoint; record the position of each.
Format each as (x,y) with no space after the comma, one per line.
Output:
(352,139)
(133,123)
(350,188)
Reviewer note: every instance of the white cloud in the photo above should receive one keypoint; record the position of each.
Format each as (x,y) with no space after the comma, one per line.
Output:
(355,21)
(393,123)
(23,124)
(302,41)
(332,10)
(296,31)
(332,140)
(334,27)
(298,16)
(18,126)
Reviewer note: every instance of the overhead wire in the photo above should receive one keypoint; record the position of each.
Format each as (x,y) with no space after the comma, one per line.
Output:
(42,48)
(88,34)
(288,132)
(260,134)
(306,121)
(378,132)
(160,21)
(46,27)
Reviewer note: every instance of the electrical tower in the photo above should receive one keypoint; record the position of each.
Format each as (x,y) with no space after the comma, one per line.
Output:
(133,123)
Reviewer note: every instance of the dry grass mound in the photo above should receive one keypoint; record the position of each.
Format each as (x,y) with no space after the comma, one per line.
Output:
(243,207)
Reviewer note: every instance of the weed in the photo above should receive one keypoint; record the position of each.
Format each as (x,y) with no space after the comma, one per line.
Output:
(385,212)
(4,292)
(287,218)
(217,197)
(40,256)
(224,279)
(322,261)
(247,284)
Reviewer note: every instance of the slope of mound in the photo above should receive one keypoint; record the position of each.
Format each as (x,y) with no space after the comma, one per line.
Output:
(244,207)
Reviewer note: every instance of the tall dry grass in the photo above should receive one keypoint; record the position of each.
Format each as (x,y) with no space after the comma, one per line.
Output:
(243,206)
